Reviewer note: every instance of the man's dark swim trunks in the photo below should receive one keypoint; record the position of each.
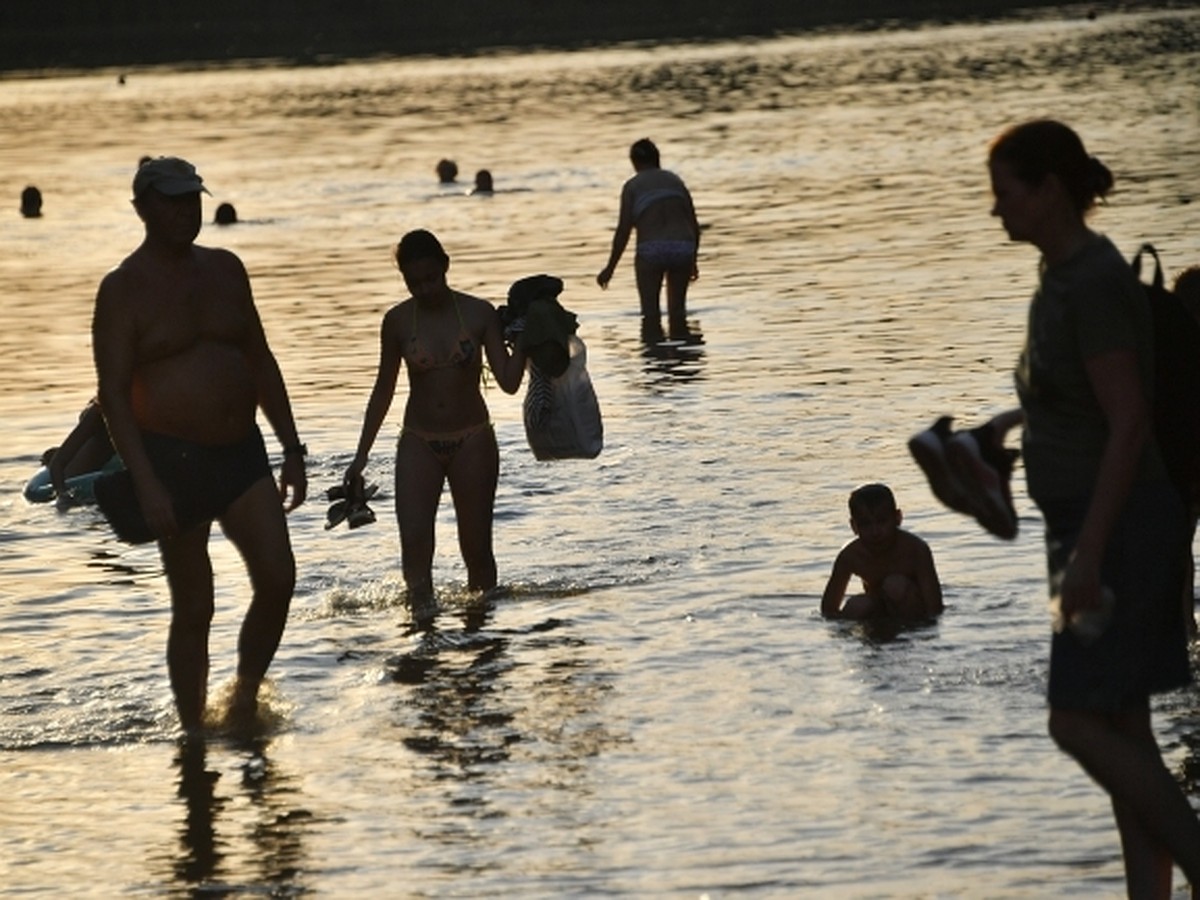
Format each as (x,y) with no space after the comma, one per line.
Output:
(203,482)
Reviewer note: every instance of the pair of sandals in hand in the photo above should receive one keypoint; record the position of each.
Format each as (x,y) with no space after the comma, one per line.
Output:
(350,504)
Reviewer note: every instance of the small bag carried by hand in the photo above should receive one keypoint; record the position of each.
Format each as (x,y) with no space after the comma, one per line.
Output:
(562,414)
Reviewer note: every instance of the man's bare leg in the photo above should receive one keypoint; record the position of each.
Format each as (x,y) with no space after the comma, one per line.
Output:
(257,526)
(190,579)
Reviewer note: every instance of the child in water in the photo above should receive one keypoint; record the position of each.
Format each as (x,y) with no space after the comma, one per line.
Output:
(86,449)
(896,567)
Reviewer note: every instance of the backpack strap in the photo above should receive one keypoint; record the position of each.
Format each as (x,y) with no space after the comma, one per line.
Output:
(1157,281)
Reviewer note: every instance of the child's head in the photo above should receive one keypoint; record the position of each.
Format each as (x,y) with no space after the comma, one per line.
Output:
(872,498)
(873,512)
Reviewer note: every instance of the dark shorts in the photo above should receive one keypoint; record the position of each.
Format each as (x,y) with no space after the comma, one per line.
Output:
(1143,650)
(203,482)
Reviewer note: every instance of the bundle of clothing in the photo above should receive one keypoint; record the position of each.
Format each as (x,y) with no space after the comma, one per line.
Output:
(562,415)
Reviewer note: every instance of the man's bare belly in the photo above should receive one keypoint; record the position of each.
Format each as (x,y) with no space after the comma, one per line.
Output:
(204,394)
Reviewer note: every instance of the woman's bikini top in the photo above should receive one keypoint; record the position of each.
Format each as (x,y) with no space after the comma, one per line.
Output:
(419,357)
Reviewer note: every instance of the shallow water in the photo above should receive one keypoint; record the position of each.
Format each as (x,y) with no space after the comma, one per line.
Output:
(654,708)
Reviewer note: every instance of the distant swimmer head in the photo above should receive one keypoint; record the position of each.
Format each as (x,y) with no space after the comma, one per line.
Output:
(226,214)
(447,171)
(31,202)
(483,182)
(643,154)
(168,175)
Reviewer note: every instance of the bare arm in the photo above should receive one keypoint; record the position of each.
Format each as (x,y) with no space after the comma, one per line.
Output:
(380,400)
(1117,385)
(273,398)
(508,368)
(620,238)
(928,583)
(1002,423)
(835,588)
(114,348)
(696,231)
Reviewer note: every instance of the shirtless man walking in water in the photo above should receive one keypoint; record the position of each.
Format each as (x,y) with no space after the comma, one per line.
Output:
(183,365)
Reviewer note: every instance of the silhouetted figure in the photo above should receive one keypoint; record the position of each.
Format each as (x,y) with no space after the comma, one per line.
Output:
(1116,528)
(31,202)
(180,408)
(447,171)
(226,214)
(442,337)
(656,203)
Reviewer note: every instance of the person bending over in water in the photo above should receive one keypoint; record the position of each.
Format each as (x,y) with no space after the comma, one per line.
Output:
(441,335)
(657,203)
(896,567)
(183,366)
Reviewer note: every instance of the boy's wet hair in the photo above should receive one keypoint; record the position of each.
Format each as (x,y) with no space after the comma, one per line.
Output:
(871,496)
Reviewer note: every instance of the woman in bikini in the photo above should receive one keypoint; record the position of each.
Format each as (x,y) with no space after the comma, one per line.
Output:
(441,335)
(658,205)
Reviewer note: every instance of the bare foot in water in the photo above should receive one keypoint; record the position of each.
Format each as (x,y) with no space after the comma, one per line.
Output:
(241,712)
(424,609)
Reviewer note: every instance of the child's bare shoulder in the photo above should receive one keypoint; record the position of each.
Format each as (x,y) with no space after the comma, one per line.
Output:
(912,546)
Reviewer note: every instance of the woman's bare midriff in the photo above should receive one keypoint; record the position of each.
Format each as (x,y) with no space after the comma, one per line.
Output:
(204,394)
(445,400)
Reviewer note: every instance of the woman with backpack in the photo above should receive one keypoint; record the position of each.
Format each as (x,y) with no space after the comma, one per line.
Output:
(1116,530)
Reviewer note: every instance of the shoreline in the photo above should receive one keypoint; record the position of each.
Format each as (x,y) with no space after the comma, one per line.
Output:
(87,37)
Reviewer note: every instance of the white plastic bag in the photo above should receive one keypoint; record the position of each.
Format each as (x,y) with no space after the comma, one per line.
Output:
(562,415)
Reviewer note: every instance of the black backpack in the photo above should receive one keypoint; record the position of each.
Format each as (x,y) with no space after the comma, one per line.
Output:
(1176,380)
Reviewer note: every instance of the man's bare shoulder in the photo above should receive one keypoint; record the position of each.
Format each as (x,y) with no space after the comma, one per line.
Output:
(122,280)
(142,261)
(217,255)
(219,261)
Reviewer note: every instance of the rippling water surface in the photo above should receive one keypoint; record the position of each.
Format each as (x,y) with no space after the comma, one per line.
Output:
(655,707)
